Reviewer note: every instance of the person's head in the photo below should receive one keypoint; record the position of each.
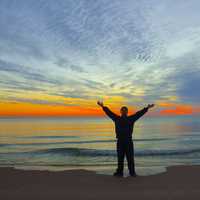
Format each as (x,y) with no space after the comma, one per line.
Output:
(124,111)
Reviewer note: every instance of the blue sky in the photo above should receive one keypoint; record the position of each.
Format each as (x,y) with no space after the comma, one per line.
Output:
(75,51)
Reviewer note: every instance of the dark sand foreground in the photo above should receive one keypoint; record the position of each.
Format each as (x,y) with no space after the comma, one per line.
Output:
(177,183)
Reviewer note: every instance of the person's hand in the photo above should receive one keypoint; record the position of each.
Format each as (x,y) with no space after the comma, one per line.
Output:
(100,103)
(150,106)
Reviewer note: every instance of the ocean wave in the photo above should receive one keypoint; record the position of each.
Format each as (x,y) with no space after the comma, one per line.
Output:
(57,143)
(3,145)
(85,152)
(68,137)
(78,142)
(99,153)
(51,137)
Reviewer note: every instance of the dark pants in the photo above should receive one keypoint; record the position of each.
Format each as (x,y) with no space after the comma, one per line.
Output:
(125,148)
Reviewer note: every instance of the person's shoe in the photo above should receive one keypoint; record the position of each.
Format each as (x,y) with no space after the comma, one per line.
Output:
(117,174)
(133,174)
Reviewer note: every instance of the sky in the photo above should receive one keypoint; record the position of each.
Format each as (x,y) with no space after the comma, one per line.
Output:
(57,58)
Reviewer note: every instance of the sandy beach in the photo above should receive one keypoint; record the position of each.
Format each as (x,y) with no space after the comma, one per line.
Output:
(180,182)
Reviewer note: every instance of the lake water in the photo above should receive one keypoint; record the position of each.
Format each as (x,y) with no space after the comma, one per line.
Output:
(89,143)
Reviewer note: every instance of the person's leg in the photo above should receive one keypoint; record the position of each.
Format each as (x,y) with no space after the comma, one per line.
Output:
(120,158)
(130,157)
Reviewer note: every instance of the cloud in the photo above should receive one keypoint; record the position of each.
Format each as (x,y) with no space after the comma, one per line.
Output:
(144,51)
(38,101)
(67,65)
(189,87)
(25,72)
(75,94)
(14,86)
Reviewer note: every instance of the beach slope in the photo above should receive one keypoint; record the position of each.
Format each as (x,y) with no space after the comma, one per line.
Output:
(180,182)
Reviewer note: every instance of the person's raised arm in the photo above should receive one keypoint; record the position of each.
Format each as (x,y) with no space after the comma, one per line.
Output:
(108,112)
(140,113)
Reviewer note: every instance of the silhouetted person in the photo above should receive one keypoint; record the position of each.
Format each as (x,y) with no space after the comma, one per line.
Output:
(124,128)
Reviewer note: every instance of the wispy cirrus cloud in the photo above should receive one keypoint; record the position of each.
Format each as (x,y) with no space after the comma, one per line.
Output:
(137,51)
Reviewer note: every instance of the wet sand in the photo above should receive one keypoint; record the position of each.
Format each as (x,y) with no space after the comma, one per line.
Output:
(180,182)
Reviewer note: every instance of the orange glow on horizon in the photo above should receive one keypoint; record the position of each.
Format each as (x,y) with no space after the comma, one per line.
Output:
(26,109)
(40,110)
(37,110)
(176,109)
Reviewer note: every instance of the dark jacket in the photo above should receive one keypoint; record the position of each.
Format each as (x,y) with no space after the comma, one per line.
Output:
(124,124)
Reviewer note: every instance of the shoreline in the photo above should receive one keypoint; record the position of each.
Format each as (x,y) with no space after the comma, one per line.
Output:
(178,182)
(102,169)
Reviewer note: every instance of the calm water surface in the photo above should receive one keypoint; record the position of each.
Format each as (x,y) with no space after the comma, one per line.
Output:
(89,143)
